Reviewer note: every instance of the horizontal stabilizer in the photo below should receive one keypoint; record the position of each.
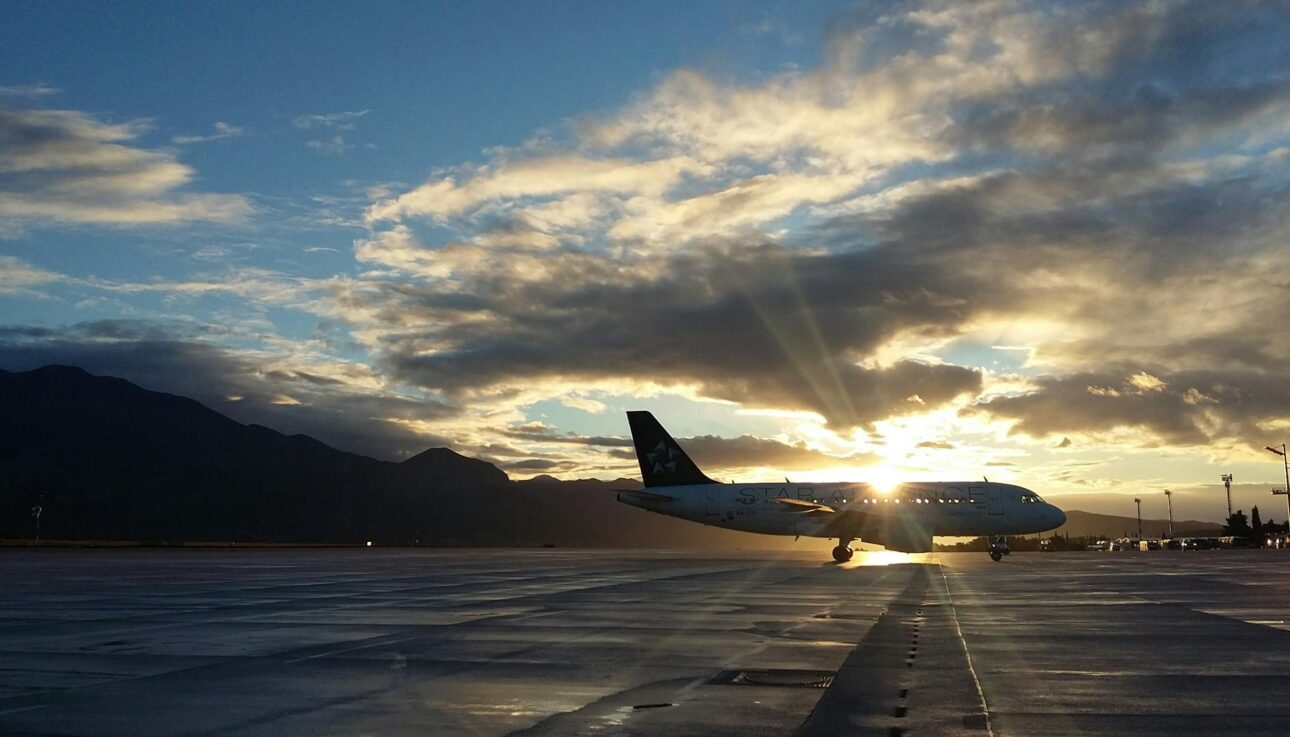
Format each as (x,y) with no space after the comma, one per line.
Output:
(647,495)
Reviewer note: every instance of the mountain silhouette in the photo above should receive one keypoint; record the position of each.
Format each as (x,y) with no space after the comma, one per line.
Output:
(109,460)
(1091,524)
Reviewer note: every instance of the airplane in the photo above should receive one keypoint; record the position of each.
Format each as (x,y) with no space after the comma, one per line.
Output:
(902,519)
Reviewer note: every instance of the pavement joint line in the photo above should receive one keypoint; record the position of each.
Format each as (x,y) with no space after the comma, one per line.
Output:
(23,708)
(958,629)
(364,646)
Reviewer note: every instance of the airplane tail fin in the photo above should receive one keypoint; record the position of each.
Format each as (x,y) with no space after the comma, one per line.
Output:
(662,461)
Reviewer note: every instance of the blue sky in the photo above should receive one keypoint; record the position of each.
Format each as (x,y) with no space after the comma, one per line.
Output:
(838,240)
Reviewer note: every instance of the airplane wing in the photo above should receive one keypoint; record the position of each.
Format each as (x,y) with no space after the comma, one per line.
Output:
(806,507)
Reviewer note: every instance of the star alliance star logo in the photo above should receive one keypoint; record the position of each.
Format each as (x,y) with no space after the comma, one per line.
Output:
(664,457)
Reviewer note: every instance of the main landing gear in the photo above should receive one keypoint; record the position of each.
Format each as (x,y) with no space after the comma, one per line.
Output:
(842,553)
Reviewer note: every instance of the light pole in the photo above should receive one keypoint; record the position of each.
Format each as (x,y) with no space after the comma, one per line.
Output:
(1169,499)
(1286,494)
(1227,481)
(1284,461)
(1139,503)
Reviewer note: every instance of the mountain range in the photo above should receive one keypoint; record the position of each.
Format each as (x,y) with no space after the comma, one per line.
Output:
(108,460)
(1089,524)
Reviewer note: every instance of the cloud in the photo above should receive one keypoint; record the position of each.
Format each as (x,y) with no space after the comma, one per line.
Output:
(1185,408)
(540,433)
(565,174)
(344,120)
(333,146)
(68,167)
(222,130)
(693,321)
(19,278)
(37,90)
(717,454)
(335,143)
(1088,183)
(1101,187)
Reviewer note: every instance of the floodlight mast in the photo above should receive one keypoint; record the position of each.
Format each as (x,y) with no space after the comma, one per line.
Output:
(1227,481)
(1286,494)
(1285,461)
(1138,502)
(1169,498)
(1285,464)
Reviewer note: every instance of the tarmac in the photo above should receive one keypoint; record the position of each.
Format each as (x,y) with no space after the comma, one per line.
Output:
(625,642)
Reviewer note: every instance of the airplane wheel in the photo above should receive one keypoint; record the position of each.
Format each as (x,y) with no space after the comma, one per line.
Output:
(996,555)
(842,554)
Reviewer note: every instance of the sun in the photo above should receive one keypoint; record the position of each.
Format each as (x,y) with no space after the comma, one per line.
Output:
(883,479)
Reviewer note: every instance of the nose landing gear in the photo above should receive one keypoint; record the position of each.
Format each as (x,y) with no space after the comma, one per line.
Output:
(842,553)
(998,548)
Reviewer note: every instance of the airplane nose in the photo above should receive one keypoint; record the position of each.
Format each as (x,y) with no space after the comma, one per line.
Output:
(1058,516)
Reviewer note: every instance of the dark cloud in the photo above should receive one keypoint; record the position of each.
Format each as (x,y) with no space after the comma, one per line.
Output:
(766,325)
(738,323)
(1111,252)
(237,384)
(1110,168)
(64,165)
(1150,77)
(715,453)
(537,432)
(1179,408)
(537,464)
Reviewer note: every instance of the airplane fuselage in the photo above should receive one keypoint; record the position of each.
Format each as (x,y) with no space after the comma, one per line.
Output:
(908,515)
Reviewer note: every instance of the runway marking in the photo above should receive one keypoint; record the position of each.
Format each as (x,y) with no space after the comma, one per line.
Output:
(958,629)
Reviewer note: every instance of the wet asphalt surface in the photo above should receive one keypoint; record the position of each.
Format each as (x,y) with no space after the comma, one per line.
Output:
(554,642)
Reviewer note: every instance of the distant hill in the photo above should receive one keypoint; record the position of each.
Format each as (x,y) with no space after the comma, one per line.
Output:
(110,460)
(1083,524)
